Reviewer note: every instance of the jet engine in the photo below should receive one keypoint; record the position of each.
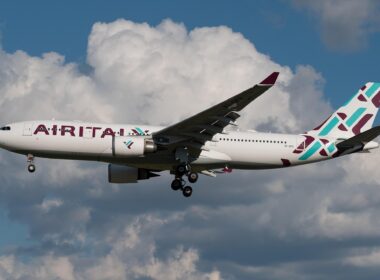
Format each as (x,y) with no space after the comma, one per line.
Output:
(120,174)
(132,146)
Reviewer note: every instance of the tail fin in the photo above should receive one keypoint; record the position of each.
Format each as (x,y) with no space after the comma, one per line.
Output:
(355,116)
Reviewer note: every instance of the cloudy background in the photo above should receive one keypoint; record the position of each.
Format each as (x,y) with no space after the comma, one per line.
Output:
(156,65)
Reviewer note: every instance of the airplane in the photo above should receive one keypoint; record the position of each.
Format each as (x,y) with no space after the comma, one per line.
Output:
(200,144)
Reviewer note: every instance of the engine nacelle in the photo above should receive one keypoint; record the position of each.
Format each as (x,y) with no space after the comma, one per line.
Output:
(132,146)
(125,174)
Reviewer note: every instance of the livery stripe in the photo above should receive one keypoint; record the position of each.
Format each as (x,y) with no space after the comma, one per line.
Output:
(317,145)
(355,116)
(331,148)
(372,89)
(329,126)
(139,130)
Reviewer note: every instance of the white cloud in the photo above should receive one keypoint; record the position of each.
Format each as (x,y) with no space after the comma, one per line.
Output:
(155,75)
(47,88)
(345,24)
(341,225)
(132,256)
(48,204)
(166,73)
(44,268)
(369,259)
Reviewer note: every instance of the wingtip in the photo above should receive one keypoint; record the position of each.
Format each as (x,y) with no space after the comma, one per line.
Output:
(271,79)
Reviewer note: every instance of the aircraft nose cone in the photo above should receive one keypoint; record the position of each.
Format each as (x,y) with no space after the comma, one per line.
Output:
(5,137)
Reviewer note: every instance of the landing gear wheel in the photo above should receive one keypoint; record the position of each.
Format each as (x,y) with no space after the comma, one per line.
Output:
(181,169)
(31,168)
(176,184)
(187,191)
(193,177)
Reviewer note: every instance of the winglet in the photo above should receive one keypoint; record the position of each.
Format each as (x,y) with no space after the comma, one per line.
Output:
(271,79)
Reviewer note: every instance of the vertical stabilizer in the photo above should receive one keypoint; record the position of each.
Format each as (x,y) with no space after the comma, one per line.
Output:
(356,116)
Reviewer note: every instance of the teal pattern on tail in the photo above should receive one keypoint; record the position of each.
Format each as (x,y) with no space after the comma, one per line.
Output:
(356,116)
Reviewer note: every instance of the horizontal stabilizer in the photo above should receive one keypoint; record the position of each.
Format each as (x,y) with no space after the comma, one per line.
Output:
(359,140)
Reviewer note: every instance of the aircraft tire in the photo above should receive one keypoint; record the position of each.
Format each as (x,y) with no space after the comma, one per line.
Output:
(176,184)
(187,191)
(181,169)
(193,177)
(31,168)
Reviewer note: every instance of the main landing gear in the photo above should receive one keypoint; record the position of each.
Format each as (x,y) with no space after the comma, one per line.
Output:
(31,166)
(180,184)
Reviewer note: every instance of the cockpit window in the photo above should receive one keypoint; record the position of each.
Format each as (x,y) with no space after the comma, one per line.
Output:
(5,128)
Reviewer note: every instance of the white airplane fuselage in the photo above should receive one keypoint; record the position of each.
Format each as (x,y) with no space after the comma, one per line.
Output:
(94,142)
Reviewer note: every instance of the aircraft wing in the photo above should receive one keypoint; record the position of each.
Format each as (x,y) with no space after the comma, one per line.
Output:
(196,130)
(359,140)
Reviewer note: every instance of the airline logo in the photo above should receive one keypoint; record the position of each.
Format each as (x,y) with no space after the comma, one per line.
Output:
(80,131)
(139,131)
(128,144)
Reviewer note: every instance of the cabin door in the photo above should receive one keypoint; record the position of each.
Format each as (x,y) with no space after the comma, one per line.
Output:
(27,131)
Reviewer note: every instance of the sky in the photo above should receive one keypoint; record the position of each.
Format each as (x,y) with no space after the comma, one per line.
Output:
(139,62)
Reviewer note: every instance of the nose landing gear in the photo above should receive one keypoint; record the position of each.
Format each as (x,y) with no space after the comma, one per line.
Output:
(31,166)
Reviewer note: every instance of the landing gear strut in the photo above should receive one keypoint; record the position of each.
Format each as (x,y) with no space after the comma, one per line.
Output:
(183,169)
(180,184)
(31,166)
